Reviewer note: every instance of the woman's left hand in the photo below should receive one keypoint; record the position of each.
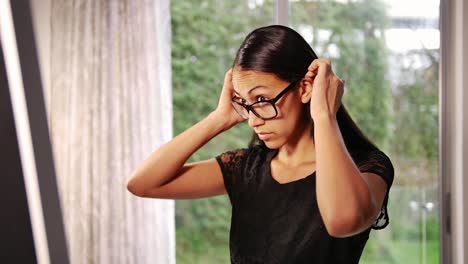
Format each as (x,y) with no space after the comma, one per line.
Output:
(327,89)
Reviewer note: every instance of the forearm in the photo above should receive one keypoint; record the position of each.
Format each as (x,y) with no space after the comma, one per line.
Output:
(164,163)
(343,196)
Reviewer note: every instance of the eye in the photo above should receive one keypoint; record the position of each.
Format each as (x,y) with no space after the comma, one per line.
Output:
(240,100)
(261,98)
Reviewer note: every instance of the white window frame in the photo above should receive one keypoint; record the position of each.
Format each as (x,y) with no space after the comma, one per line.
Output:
(453,132)
(282,12)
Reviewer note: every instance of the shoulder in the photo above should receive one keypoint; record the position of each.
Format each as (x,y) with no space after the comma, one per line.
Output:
(241,154)
(236,165)
(367,155)
(375,161)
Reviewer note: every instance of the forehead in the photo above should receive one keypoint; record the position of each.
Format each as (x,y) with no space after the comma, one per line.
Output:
(244,80)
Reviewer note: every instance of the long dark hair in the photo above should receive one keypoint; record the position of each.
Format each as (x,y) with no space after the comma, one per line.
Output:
(284,52)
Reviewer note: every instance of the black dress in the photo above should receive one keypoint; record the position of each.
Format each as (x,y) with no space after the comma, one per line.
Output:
(281,223)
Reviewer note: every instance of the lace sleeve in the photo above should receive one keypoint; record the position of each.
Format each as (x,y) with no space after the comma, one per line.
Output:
(377,162)
(231,164)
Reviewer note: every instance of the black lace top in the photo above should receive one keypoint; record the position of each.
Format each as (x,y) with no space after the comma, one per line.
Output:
(281,223)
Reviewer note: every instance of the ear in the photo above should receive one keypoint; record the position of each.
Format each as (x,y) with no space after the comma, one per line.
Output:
(305,89)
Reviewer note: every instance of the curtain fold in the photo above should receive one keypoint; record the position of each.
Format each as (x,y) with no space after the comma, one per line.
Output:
(109,106)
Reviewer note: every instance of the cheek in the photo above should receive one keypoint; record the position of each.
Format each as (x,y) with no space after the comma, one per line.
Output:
(288,123)
(284,125)
(289,113)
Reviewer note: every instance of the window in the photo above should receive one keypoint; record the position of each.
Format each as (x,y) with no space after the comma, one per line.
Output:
(388,53)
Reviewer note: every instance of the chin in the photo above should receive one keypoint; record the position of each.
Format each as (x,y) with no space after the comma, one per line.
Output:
(272,144)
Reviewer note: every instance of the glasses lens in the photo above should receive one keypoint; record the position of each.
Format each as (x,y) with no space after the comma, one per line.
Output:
(240,110)
(265,110)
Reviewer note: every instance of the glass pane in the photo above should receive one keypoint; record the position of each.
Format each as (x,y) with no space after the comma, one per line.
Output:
(388,53)
(205,37)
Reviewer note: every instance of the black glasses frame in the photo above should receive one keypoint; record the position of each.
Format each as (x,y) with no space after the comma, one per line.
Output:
(249,107)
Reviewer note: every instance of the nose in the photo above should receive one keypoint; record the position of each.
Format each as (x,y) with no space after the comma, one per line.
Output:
(255,120)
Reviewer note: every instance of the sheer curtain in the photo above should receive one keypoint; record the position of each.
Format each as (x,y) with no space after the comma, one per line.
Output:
(107,72)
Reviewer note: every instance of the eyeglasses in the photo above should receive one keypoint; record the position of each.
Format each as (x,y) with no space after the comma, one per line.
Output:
(264,109)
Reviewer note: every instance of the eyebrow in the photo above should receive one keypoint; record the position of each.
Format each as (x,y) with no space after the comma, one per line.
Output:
(258,86)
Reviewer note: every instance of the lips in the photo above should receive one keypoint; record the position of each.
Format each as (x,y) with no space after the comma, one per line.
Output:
(263,135)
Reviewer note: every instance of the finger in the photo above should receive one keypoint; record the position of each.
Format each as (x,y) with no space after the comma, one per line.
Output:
(310,74)
(228,74)
(228,78)
(308,79)
(323,68)
(322,78)
(320,66)
(318,62)
(228,87)
(314,65)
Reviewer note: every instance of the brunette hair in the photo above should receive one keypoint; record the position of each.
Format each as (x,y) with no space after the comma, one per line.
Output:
(284,52)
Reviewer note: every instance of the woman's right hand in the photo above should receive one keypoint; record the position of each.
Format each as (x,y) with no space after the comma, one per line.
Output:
(225,110)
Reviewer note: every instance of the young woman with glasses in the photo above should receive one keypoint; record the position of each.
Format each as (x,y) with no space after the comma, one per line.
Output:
(309,187)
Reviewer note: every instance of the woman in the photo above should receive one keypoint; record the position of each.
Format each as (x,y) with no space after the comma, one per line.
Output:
(312,187)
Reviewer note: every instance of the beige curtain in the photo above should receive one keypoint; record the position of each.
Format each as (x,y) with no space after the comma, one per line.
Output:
(109,106)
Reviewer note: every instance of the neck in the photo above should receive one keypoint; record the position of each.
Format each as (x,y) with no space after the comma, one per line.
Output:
(299,151)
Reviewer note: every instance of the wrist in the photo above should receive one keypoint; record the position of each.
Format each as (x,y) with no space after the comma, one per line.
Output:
(324,117)
(219,121)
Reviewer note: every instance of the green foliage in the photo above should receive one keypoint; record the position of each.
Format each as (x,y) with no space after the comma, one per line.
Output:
(417,107)
(356,31)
